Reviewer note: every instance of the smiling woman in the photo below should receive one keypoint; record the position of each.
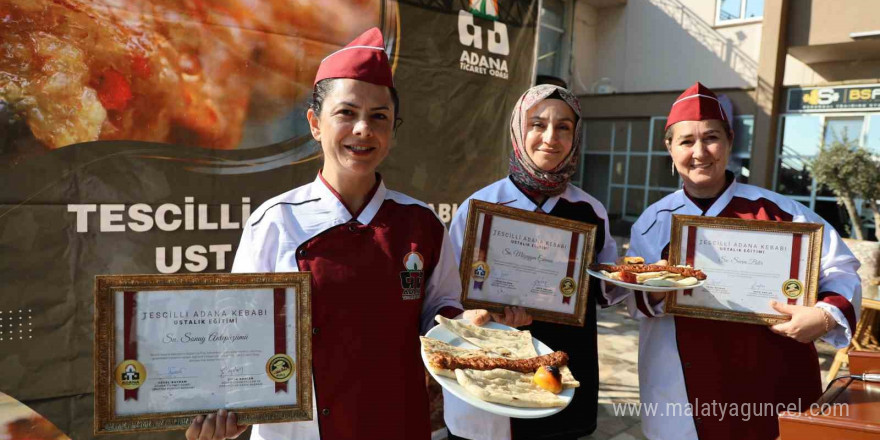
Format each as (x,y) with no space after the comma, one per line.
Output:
(775,364)
(372,253)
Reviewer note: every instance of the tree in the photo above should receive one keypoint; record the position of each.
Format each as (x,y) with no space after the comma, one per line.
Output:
(850,171)
(869,188)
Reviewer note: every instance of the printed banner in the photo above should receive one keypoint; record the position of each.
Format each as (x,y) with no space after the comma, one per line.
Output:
(138,136)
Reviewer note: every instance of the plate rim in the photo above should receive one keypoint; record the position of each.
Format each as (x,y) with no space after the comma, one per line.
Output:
(642,287)
(492,407)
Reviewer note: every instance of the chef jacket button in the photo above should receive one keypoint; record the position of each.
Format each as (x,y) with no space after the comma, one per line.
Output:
(325,411)
(687,364)
(302,253)
(352,228)
(314,330)
(697,420)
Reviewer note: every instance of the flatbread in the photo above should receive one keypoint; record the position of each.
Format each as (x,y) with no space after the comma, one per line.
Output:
(431,345)
(510,344)
(507,388)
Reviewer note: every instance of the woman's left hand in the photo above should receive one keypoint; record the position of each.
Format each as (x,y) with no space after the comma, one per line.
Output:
(512,316)
(806,325)
(477,316)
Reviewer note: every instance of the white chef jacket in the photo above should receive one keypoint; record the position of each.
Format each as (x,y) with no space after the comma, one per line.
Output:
(287,230)
(462,419)
(661,370)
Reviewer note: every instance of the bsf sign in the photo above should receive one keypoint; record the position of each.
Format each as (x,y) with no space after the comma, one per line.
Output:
(844,98)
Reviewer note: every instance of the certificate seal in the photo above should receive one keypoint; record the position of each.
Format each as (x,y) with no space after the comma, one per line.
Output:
(130,374)
(280,368)
(567,286)
(480,271)
(792,288)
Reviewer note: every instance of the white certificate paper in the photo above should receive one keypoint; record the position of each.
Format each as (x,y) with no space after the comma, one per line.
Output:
(745,270)
(527,264)
(205,349)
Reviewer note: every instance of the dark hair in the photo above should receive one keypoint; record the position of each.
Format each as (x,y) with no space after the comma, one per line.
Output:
(323,87)
(667,137)
(548,79)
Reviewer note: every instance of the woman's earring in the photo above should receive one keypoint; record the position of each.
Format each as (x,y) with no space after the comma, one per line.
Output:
(673,168)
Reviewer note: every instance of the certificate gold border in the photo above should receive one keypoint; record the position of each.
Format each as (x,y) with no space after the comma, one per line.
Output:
(813,232)
(588,231)
(107,422)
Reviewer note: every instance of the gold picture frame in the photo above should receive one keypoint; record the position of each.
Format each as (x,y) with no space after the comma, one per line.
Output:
(575,285)
(812,249)
(107,287)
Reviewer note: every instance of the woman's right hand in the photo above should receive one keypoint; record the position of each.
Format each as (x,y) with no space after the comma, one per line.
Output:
(218,426)
(656,297)
(513,317)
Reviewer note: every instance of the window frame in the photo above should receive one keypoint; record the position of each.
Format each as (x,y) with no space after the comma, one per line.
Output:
(814,196)
(736,21)
(627,153)
(564,52)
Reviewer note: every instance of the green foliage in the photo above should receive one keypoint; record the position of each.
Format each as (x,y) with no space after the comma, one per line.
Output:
(847,169)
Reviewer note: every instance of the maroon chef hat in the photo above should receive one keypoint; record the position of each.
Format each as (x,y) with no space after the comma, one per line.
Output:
(697,103)
(363,59)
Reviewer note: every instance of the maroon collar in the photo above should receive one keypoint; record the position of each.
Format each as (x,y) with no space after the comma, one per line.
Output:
(369,197)
(705,204)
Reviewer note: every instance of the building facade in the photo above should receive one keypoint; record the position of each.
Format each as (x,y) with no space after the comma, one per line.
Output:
(793,73)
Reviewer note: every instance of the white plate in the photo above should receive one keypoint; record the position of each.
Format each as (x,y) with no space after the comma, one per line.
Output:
(641,287)
(443,334)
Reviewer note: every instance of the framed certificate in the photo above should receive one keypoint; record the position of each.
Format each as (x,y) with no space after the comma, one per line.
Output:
(170,347)
(747,264)
(512,257)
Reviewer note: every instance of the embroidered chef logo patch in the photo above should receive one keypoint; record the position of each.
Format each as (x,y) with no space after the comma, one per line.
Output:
(412,278)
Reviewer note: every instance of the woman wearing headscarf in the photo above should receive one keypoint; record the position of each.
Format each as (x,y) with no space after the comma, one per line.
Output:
(745,372)
(382,265)
(545,132)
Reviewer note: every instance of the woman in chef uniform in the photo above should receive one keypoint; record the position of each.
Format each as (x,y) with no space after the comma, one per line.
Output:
(696,361)
(382,264)
(545,132)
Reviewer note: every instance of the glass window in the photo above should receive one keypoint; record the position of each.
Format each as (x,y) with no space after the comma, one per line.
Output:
(655,196)
(549,56)
(615,207)
(620,130)
(638,170)
(597,135)
(846,130)
(635,202)
(734,10)
(754,8)
(595,180)
(661,172)
(801,135)
(743,129)
(794,177)
(618,171)
(553,38)
(639,140)
(553,13)
(729,10)
(657,143)
(740,167)
(872,140)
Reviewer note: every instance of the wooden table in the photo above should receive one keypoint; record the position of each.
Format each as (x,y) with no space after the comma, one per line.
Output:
(856,416)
